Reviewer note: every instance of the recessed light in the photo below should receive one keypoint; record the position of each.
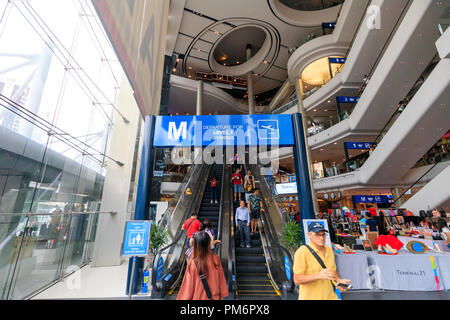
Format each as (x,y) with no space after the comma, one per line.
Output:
(265,62)
(174,69)
(329,101)
(325,110)
(190,68)
(314,110)
(335,143)
(178,60)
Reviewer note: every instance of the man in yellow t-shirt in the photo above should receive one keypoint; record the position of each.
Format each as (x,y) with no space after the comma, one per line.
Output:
(313,280)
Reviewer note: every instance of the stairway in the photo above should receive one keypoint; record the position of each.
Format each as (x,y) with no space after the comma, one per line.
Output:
(253,282)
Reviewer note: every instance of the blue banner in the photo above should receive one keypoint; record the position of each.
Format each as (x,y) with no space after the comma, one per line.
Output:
(343,99)
(136,238)
(287,268)
(370,199)
(360,145)
(329,25)
(337,60)
(224,130)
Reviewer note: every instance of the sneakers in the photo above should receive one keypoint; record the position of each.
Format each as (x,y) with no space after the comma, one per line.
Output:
(242,246)
(211,201)
(217,201)
(248,246)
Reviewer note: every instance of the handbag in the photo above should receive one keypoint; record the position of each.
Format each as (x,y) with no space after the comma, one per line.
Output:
(204,282)
(320,261)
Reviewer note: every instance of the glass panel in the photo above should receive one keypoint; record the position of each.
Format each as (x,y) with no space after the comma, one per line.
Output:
(40,253)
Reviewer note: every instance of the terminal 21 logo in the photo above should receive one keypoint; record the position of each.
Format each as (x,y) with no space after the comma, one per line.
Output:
(268,129)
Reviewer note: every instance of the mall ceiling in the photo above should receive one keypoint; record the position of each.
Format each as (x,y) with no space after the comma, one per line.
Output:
(211,36)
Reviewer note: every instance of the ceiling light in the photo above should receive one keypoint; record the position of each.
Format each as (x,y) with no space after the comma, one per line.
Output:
(326,110)
(329,101)
(265,61)
(174,69)
(189,76)
(190,68)
(234,80)
(335,143)
(314,110)
(204,75)
(178,59)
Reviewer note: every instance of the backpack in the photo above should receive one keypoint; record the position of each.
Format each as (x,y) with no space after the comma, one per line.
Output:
(213,183)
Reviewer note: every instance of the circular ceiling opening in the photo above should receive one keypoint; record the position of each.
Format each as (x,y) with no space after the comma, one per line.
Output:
(318,72)
(231,50)
(310,5)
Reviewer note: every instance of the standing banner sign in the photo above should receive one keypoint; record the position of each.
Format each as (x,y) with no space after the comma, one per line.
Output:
(324,222)
(136,238)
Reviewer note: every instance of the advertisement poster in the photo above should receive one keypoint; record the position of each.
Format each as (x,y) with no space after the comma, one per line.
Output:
(318,170)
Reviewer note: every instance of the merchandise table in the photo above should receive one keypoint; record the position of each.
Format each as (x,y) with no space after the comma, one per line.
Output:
(354,267)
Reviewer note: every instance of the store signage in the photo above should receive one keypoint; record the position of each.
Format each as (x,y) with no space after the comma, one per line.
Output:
(359,145)
(344,99)
(337,60)
(370,199)
(292,178)
(329,25)
(229,130)
(158,173)
(307,222)
(160,268)
(136,238)
(287,268)
(286,188)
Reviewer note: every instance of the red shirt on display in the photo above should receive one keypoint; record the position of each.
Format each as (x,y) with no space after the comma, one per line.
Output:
(373,212)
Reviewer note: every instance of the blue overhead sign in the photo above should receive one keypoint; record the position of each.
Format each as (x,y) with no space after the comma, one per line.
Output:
(136,238)
(343,99)
(329,25)
(360,145)
(337,60)
(370,199)
(224,130)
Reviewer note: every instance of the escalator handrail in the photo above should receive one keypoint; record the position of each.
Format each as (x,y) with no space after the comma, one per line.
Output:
(274,242)
(219,227)
(417,181)
(232,251)
(180,233)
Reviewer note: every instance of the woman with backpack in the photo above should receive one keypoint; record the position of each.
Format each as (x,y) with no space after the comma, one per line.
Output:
(249,185)
(213,184)
(204,278)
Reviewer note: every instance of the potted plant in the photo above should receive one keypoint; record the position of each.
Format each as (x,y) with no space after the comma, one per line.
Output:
(158,238)
(292,236)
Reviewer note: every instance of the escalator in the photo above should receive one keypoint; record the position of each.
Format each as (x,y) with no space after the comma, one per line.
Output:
(259,272)
(194,195)
(253,281)
(208,210)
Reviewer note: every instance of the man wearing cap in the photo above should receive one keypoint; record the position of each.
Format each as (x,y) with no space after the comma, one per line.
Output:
(315,282)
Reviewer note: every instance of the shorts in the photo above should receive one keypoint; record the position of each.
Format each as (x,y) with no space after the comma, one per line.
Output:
(238,188)
(255,214)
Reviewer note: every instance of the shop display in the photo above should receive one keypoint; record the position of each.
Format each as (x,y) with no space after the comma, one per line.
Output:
(416,247)
(367,245)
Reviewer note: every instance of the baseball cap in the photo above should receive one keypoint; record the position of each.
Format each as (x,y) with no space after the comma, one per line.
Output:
(316,227)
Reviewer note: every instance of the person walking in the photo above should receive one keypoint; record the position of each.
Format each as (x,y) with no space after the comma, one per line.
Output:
(249,185)
(192,225)
(255,206)
(207,227)
(213,184)
(242,219)
(236,178)
(204,278)
(315,268)
(444,231)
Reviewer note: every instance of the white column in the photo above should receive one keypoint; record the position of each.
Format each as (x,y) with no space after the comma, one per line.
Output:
(301,110)
(251,100)
(199,97)
(116,187)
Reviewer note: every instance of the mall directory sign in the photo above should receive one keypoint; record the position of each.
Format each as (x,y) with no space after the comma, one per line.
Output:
(136,238)
(223,130)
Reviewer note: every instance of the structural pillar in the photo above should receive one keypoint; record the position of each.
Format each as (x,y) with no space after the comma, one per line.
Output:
(199,97)
(251,101)
(301,110)
(199,111)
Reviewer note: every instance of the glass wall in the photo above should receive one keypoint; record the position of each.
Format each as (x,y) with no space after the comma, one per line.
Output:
(59,78)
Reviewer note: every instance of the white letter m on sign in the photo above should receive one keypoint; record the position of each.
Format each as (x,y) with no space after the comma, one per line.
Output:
(174,133)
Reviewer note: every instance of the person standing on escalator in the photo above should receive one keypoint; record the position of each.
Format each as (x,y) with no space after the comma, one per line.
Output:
(242,219)
(249,185)
(213,184)
(255,206)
